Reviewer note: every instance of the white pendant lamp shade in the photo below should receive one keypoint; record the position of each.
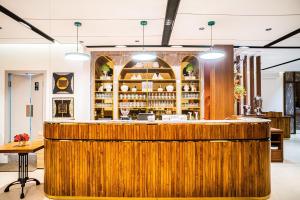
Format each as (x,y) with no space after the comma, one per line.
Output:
(77,56)
(144,56)
(212,54)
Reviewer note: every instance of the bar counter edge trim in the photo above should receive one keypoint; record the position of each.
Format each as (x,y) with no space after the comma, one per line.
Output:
(157,198)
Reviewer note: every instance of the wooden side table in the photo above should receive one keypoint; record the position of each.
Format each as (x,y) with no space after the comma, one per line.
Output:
(23,151)
(276,145)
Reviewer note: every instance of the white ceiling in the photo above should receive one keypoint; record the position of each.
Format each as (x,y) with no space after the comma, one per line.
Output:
(116,22)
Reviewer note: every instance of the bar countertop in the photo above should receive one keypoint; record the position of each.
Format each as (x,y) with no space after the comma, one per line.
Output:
(240,120)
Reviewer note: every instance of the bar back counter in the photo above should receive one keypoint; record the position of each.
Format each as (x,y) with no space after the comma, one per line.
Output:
(133,159)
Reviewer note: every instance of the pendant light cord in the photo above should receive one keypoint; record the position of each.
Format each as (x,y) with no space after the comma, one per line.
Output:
(77,38)
(210,37)
(143,37)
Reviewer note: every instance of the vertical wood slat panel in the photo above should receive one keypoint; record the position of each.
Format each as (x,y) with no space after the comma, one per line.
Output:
(245,79)
(251,61)
(157,169)
(219,85)
(258,76)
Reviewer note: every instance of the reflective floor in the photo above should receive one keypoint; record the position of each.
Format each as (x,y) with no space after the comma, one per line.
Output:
(285,177)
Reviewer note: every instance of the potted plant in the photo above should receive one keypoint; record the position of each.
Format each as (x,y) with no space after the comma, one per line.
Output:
(239,91)
(105,69)
(21,138)
(189,68)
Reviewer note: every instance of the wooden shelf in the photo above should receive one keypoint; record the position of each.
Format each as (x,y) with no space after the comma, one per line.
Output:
(277,141)
(161,108)
(104,98)
(132,100)
(133,107)
(149,70)
(147,73)
(106,81)
(149,80)
(191,80)
(190,99)
(98,79)
(191,92)
(161,99)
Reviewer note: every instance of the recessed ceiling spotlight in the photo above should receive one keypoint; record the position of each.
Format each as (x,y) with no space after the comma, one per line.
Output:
(168,22)
(176,46)
(268,29)
(201,28)
(120,46)
(81,42)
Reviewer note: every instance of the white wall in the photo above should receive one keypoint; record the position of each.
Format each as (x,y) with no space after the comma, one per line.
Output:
(272,91)
(49,58)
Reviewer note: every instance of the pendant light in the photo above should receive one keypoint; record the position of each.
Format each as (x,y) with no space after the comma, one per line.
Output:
(144,56)
(78,56)
(212,54)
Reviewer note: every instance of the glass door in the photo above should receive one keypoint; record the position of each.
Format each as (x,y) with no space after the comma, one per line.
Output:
(292,99)
(25,104)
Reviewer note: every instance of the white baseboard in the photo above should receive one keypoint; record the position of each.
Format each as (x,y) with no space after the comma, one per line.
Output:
(3,158)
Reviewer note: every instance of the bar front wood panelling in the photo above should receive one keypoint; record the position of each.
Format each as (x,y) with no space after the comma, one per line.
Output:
(208,131)
(157,160)
(157,169)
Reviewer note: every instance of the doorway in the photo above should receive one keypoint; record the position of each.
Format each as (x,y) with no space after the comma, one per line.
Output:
(24,110)
(292,98)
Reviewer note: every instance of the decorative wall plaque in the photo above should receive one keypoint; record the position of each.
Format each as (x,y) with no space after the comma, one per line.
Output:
(63,107)
(63,83)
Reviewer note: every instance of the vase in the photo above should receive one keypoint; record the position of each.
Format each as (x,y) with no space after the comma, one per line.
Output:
(22,143)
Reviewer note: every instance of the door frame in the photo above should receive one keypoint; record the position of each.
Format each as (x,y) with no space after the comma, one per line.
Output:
(284,101)
(7,119)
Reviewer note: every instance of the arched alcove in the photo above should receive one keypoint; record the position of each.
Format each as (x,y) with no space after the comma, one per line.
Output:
(147,87)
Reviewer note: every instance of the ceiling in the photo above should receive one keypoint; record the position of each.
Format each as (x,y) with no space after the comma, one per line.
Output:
(116,22)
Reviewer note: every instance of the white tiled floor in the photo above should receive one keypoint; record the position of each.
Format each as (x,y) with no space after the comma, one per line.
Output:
(285,177)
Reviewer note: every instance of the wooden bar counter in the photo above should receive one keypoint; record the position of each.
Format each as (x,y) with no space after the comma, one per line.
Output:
(135,159)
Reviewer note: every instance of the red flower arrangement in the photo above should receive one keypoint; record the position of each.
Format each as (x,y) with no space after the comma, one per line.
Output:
(21,137)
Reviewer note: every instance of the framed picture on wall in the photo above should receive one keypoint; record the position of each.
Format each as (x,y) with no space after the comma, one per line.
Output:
(63,107)
(63,83)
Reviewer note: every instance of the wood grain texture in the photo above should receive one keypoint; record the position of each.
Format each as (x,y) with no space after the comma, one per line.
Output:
(258,76)
(282,123)
(245,81)
(157,169)
(157,160)
(277,141)
(251,67)
(207,71)
(221,85)
(30,147)
(208,131)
